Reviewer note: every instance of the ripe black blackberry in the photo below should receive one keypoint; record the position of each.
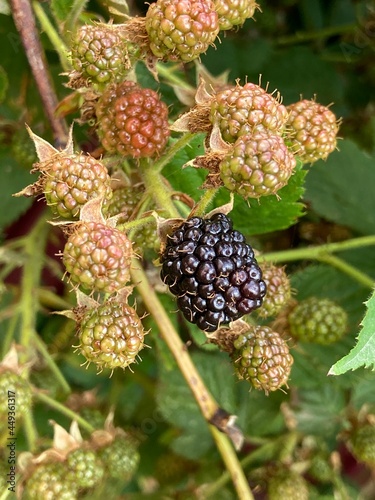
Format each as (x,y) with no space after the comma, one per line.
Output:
(212,270)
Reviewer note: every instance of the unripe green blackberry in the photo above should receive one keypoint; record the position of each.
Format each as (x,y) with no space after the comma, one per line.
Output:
(121,458)
(278,290)
(181,30)
(70,181)
(51,481)
(320,468)
(262,357)
(258,164)
(241,110)
(99,55)
(234,12)
(132,121)
(111,335)
(12,385)
(316,320)
(86,466)
(362,444)
(98,257)
(287,485)
(124,201)
(23,149)
(312,130)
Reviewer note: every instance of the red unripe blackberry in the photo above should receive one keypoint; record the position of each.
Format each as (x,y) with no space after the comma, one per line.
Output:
(70,181)
(98,257)
(312,130)
(240,110)
(234,12)
(181,30)
(317,320)
(213,272)
(99,55)
(262,357)
(111,335)
(278,290)
(258,164)
(132,121)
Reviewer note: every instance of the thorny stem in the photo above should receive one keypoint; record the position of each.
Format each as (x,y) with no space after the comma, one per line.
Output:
(53,36)
(25,23)
(206,402)
(34,251)
(64,410)
(204,202)
(172,151)
(167,73)
(348,269)
(158,190)
(300,37)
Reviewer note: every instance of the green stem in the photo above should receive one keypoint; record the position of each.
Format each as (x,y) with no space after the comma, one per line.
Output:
(136,223)
(348,269)
(172,151)
(51,364)
(30,431)
(158,190)
(167,73)
(304,36)
(64,410)
(53,36)
(204,399)
(50,300)
(34,250)
(315,252)
(204,202)
(8,338)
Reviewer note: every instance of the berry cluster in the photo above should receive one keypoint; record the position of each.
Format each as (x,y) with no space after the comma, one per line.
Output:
(213,272)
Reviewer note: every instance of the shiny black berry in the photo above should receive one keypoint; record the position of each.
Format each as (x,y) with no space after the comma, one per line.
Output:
(213,272)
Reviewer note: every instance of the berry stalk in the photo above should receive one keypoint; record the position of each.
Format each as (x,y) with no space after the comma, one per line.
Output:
(348,269)
(206,402)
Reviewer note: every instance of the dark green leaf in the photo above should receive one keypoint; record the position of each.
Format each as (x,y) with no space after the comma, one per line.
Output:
(4,83)
(269,213)
(341,189)
(62,8)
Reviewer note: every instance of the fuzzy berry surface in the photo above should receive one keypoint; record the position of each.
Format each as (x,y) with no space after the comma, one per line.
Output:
(51,481)
(98,257)
(316,320)
(258,165)
(234,12)
(132,121)
(99,55)
(241,109)
(11,381)
(181,30)
(278,290)
(362,444)
(312,130)
(262,357)
(86,466)
(124,201)
(287,485)
(70,181)
(121,458)
(111,335)
(212,270)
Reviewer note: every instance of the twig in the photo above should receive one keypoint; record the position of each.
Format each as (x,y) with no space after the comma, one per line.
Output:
(25,23)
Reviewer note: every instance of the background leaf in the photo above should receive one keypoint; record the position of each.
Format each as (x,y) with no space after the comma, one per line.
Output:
(334,188)
(363,354)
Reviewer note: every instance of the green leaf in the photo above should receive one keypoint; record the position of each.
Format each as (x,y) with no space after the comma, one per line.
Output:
(4,83)
(363,354)
(269,213)
(14,179)
(61,8)
(340,189)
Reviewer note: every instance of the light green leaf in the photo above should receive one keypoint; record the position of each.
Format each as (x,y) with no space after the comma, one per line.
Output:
(363,354)
(61,8)
(334,188)
(4,7)
(117,8)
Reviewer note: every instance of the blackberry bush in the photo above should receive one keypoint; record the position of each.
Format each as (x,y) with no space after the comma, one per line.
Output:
(185,176)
